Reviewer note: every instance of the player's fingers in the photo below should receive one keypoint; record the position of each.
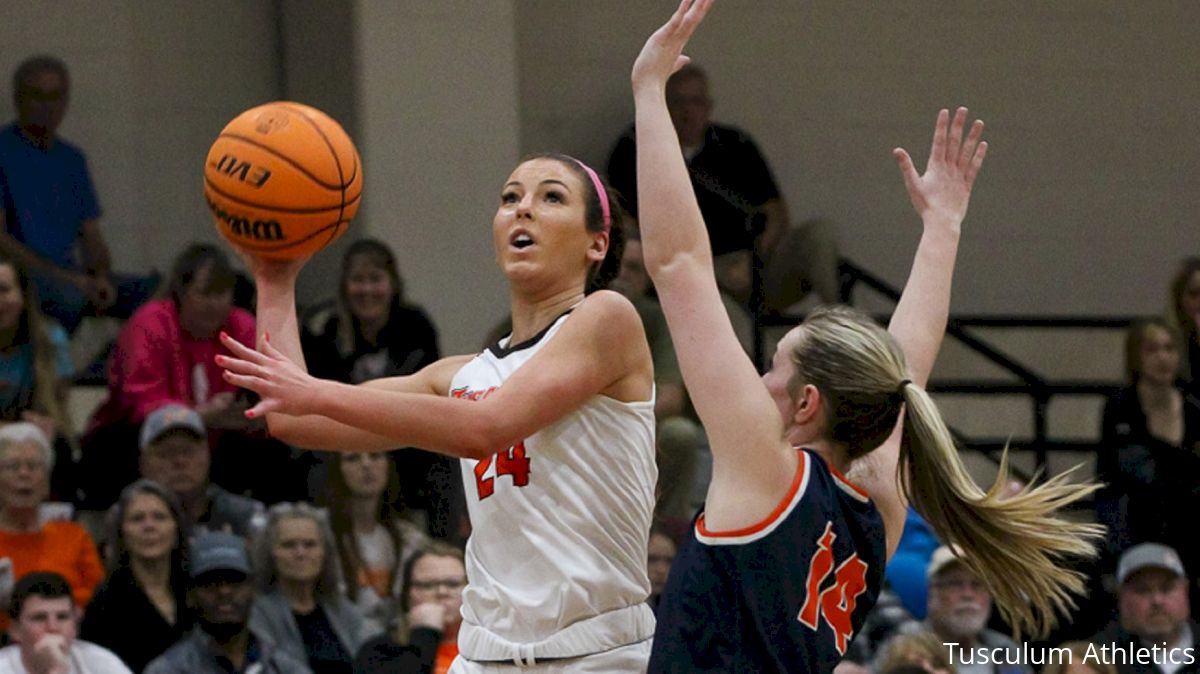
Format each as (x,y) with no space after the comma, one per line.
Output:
(264,407)
(954,138)
(245,381)
(240,350)
(976,162)
(907,170)
(968,149)
(938,148)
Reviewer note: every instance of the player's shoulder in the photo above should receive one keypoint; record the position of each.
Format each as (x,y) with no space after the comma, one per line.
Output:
(608,315)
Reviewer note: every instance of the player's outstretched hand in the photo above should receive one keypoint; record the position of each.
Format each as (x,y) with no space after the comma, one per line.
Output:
(942,193)
(283,386)
(663,52)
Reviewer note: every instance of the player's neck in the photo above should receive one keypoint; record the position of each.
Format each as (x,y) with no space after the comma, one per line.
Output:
(531,316)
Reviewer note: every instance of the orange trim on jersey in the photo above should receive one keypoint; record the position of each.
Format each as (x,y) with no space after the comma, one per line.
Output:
(784,503)
(837,474)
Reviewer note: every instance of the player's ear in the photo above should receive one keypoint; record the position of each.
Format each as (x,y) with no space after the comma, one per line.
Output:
(808,405)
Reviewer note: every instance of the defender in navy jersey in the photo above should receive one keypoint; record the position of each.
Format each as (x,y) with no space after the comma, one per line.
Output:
(739,580)
(788,555)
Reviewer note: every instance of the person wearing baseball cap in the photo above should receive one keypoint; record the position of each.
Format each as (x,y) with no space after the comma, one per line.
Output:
(1153,610)
(220,595)
(175,453)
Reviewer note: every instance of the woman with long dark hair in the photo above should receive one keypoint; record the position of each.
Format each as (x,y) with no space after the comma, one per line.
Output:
(140,610)
(373,538)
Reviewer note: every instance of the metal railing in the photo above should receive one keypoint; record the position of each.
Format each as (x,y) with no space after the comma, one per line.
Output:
(1038,388)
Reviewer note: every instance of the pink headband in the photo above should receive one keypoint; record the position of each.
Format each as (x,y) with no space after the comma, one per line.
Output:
(605,212)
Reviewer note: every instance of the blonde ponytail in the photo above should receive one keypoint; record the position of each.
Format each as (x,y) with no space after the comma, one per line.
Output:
(1012,542)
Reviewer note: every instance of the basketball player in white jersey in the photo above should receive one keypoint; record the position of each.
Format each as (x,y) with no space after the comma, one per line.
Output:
(555,426)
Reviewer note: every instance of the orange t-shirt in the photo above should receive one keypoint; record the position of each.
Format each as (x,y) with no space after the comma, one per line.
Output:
(447,651)
(62,547)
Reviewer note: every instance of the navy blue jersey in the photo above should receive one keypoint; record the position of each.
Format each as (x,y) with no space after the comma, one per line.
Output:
(785,595)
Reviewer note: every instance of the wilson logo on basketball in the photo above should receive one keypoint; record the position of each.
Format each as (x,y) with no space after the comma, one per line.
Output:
(258,230)
(255,176)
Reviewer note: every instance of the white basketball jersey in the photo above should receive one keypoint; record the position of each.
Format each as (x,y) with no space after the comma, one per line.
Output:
(560,521)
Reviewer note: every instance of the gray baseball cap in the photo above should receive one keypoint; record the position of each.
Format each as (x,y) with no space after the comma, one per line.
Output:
(168,418)
(1146,556)
(218,551)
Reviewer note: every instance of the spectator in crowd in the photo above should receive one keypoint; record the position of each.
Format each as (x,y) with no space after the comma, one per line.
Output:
(426,642)
(139,611)
(741,204)
(1150,447)
(44,625)
(35,371)
(30,543)
(958,608)
(220,594)
(374,538)
(1081,659)
(164,354)
(300,607)
(370,332)
(1152,611)
(175,454)
(1185,314)
(48,206)
(660,554)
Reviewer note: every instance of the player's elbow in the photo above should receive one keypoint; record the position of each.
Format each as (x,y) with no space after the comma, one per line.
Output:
(484,437)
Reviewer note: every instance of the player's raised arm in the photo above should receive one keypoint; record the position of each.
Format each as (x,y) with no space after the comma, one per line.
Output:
(752,464)
(940,197)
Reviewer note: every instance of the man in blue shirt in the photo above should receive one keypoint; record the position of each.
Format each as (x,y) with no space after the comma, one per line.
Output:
(49,214)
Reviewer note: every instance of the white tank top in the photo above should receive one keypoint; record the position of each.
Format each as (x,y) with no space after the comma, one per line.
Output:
(559,522)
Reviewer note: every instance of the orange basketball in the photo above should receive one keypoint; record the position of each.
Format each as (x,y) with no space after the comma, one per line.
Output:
(282,180)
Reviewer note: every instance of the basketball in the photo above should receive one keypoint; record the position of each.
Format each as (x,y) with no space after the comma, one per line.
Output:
(282,180)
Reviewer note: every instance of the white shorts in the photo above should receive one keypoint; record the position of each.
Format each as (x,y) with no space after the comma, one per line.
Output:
(631,659)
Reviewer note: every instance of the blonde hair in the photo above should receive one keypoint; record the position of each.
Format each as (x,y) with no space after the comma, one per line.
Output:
(1013,543)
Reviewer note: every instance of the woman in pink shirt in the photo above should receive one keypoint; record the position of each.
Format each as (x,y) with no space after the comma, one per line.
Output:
(164,354)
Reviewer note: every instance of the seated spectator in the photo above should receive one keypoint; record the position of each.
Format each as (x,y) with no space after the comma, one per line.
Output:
(958,607)
(44,624)
(1152,611)
(1185,314)
(35,371)
(427,640)
(1150,447)
(370,332)
(175,454)
(49,213)
(922,650)
(140,609)
(374,539)
(30,543)
(300,607)
(660,555)
(164,354)
(1081,659)
(220,594)
(742,206)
